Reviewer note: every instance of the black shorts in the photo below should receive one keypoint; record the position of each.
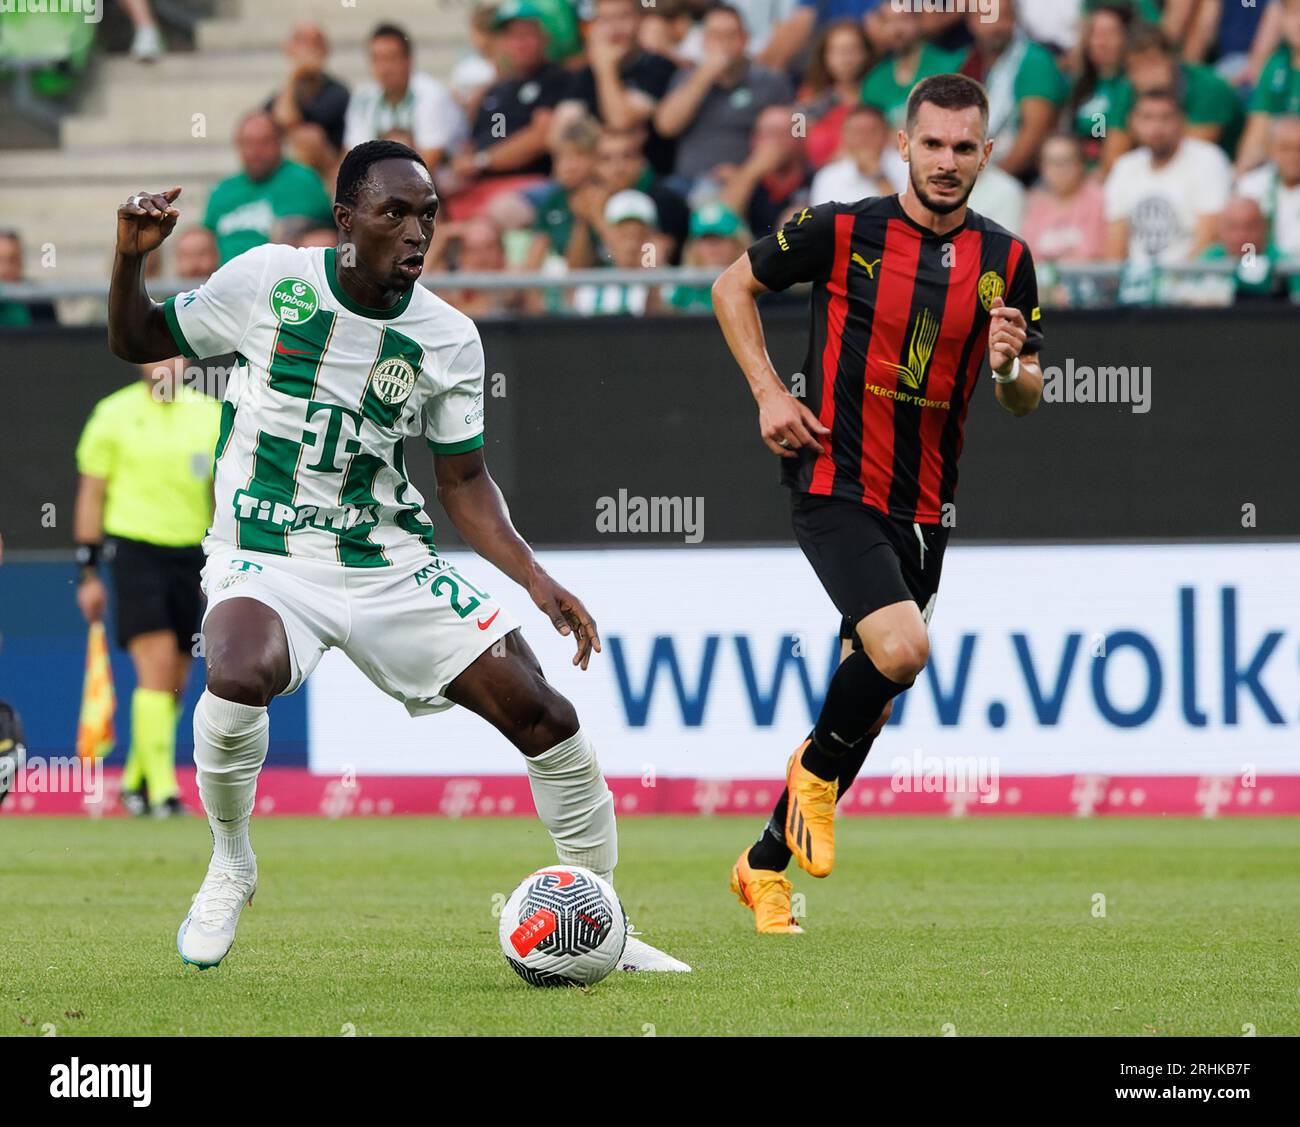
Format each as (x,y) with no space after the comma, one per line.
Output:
(157,588)
(867,560)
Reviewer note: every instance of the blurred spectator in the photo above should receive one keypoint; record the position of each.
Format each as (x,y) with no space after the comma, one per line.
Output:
(860,172)
(573,166)
(1243,235)
(475,71)
(320,237)
(311,107)
(1278,91)
(999,196)
(16,313)
(1147,11)
(1268,38)
(1211,107)
(840,61)
(244,208)
(147,43)
(1163,199)
(772,178)
(558,19)
(630,230)
(1276,185)
(1054,23)
(623,83)
(621,166)
(195,255)
(398,98)
(717,239)
(762,20)
(509,136)
(1192,25)
(1238,24)
(471,246)
(712,108)
(1099,103)
(1065,215)
(671,28)
(910,57)
(1026,89)
(789,40)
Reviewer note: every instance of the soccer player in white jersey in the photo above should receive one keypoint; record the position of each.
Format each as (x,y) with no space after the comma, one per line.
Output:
(319,540)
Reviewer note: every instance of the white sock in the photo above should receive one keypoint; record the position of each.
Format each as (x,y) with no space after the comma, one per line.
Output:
(229,749)
(575,804)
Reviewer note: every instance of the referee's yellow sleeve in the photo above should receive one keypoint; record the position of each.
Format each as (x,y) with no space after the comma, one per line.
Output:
(95,450)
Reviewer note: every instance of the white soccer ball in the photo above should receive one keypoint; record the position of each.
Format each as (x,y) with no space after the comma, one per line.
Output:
(563,926)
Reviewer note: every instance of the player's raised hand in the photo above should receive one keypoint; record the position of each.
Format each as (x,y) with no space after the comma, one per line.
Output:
(568,616)
(787,426)
(1007,335)
(145,220)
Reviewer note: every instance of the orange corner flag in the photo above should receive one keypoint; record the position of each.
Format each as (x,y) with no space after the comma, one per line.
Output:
(98,704)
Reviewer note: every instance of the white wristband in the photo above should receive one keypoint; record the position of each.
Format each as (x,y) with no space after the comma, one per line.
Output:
(1015,373)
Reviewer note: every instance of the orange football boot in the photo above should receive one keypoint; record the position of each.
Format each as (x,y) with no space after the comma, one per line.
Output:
(810,816)
(766,893)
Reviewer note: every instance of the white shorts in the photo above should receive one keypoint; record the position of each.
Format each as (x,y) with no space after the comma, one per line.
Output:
(411,633)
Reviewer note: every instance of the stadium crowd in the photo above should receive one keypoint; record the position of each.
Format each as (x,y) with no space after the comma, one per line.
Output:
(619,133)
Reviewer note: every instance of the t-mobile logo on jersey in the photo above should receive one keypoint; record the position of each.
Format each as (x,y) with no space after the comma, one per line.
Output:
(627,513)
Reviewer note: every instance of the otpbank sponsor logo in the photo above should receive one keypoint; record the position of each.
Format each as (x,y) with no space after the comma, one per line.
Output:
(1201,665)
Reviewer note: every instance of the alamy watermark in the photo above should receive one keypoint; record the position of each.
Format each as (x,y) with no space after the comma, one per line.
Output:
(1104,384)
(987,10)
(92,11)
(631,513)
(945,774)
(57,775)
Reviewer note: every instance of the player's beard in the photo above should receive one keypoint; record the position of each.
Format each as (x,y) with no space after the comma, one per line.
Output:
(937,206)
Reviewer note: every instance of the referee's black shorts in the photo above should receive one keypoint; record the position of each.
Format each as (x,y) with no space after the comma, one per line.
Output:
(867,560)
(157,588)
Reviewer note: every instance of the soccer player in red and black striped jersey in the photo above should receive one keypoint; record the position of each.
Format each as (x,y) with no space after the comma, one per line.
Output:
(908,294)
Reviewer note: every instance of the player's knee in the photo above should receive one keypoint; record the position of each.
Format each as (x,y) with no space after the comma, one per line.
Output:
(548,720)
(238,675)
(901,656)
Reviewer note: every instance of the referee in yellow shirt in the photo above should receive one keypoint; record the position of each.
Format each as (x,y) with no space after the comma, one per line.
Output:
(145,464)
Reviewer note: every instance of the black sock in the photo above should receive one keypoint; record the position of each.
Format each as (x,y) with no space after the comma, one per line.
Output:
(770,850)
(856,697)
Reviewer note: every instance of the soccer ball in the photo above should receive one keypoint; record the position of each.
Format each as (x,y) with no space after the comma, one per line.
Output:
(563,926)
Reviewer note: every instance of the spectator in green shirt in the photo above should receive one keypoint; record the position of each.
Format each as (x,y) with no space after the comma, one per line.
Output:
(1278,90)
(244,208)
(910,59)
(1244,236)
(1099,103)
(1211,107)
(573,164)
(1026,88)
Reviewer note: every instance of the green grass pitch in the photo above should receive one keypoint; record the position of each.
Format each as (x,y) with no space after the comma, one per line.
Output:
(381,927)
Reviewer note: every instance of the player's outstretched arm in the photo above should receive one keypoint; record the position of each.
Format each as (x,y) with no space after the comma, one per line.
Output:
(475,506)
(137,326)
(784,423)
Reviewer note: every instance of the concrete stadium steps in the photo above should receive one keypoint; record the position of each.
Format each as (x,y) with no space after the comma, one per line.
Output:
(135,127)
(257,24)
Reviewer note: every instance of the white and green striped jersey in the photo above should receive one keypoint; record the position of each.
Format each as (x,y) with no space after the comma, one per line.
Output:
(309,461)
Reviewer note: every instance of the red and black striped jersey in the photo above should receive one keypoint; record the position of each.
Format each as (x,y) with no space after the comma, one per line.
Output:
(900,320)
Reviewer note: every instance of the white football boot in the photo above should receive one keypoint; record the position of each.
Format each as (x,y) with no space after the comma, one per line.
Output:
(208,932)
(639,955)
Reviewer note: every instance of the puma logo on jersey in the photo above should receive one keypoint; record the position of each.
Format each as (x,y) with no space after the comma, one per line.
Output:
(869,267)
